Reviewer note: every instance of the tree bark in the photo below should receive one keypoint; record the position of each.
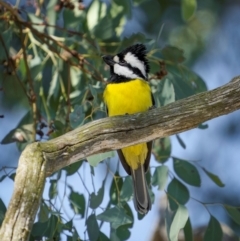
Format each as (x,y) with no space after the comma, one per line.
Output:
(39,160)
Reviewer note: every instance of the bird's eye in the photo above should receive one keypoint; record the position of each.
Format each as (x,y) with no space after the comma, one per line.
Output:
(122,61)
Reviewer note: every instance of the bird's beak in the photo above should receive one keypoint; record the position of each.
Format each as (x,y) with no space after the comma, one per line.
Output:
(108,59)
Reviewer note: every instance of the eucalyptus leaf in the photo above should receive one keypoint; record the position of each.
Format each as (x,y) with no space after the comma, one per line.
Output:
(126,7)
(113,235)
(169,215)
(3,177)
(177,194)
(12,176)
(188,8)
(92,228)
(51,15)
(162,149)
(54,88)
(127,189)
(102,237)
(9,138)
(53,227)
(160,177)
(73,168)
(188,232)
(214,178)
(36,67)
(173,54)
(115,189)
(95,159)
(39,23)
(129,212)
(52,193)
(96,199)
(39,229)
(3,210)
(123,232)
(68,225)
(234,213)
(6,37)
(96,11)
(181,142)
(167,93)
(203,126)
(43,214)
(74,18)
(187,172)
(104,29)
(77,116)
(22,132)
(116,216)
(77,202)
(178,222)
(46,229)
(213,231)
(185,82)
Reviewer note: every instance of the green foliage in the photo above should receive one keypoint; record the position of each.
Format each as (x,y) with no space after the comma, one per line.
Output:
(77,116)
(177,194)
(163,92)
(43,213)
(181,142)
(92,228)
(96,199)
(187,172)
(188,8)
(162,149)
(77,202)
(188,232)
(126,190)
(214,178)
(115,189)
(50,229)
(95,159)
(160,177)
(203,126)
(73,168)
(2,211)
(178,222)
(117,216)
(22,133)
(234,213)
(53,189)
(214,230)
(51,66)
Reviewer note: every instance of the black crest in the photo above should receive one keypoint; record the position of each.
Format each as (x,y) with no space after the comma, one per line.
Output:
(140,51)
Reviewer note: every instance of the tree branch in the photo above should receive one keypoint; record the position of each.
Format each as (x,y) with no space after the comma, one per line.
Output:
(39,160)
(121,131)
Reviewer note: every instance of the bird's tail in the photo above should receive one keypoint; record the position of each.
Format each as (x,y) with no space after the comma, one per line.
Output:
(142,201)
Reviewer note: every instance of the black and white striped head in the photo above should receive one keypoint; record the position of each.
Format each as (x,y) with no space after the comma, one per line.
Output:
(129,64)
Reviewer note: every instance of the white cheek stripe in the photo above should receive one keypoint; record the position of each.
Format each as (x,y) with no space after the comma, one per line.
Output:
(125,71)
(135,62)
(116,59)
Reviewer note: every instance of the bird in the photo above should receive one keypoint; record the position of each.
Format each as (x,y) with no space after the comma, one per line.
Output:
(128,92)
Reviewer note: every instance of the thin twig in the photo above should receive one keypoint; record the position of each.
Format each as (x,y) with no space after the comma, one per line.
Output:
(68,94)
(30,81)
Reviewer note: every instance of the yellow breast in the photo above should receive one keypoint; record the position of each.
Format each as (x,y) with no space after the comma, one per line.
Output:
(127,97)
